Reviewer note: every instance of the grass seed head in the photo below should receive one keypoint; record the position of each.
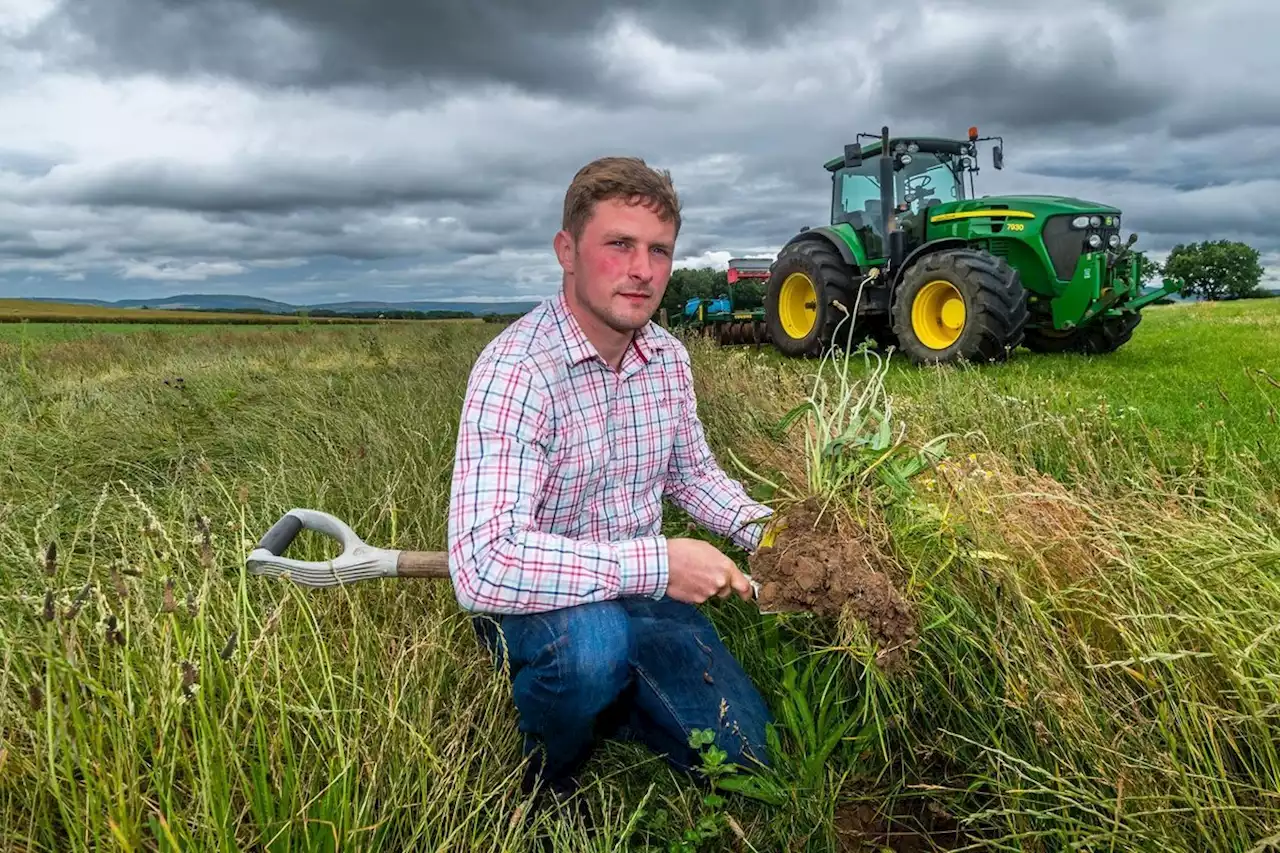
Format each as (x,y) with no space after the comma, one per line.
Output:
(117,582)
(78,602)
(230,648)
(113,631)
(190,679)
(170,603)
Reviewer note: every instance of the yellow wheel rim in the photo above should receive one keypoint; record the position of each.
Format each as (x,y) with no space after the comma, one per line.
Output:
(797,305)
(937,314)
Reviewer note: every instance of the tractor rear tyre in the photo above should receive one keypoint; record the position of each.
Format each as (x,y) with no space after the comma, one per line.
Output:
(1098,338)
(959,305)
(800,317)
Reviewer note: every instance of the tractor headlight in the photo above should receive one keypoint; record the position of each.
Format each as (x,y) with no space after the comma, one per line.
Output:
(1095,221)
(1114,241)
(1095,241)
(1080,222)
(905,159)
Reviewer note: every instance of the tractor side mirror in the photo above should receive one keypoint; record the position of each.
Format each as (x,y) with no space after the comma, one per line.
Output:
(853,154)
(997,156)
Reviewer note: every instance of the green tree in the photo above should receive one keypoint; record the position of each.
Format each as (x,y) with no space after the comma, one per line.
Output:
(1147,268)
(1219,269)
(748,293)
(708,283)
(685,284)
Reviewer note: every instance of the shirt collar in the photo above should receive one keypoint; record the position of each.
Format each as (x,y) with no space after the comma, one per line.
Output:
(577,348)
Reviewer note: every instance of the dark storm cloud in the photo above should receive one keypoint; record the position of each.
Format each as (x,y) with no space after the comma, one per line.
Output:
(536,45)
(277,185)
(1257,110)
(1153,162)
(1075,79)
(22,246)
(365,245)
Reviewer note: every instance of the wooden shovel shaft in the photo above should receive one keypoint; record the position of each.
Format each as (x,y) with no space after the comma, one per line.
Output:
(423,564)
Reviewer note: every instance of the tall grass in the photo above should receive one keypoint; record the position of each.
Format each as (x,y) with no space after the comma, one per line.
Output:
(1097,666)
(172,701)
(1099,660)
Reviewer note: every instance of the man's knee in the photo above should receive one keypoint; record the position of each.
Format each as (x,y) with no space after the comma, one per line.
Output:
(691,680)
(586,653)
(598,648)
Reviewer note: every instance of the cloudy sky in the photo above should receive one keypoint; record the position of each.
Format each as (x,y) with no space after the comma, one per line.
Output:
(311,150)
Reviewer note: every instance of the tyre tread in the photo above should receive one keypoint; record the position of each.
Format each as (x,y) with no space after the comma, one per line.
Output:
(833,279)
(1002,310)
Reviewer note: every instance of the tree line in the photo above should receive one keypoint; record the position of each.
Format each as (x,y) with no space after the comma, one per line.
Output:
(708,283)
(1211,269)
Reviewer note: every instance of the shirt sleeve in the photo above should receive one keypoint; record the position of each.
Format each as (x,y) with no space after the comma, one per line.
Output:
(498,561)
(695,481)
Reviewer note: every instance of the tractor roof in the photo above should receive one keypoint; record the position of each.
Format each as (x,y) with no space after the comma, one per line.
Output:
(927,143)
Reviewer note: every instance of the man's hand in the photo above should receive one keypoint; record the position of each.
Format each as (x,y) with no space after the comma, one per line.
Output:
(697,570)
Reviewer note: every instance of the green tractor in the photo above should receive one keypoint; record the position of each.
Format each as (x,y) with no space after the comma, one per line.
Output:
(943,275)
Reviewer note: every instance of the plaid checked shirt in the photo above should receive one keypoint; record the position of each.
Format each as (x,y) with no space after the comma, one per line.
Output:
(562,463)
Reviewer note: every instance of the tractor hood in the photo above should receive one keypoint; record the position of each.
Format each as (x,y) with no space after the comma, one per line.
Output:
(1040,203)
(1020,208)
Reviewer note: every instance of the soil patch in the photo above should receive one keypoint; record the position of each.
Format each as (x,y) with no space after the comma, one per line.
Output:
(859,827)
(824,564)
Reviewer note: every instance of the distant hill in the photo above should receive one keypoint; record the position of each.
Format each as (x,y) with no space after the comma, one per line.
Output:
(235,302)
(472,307)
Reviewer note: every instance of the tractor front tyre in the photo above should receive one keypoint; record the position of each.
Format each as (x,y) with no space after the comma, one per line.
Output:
(1109,335)
(1098,338)
(959,305)
(801,318)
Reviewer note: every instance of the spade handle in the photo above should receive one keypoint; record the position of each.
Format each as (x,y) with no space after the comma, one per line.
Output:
(422,564)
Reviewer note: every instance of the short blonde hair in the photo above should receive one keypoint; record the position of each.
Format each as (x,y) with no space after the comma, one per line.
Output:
(628,178)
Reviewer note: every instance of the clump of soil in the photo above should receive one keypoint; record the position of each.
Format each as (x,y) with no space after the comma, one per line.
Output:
(823,564)
(860,828)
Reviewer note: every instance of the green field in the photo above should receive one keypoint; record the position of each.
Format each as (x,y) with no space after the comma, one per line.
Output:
(32,311)
(44,333)
(1095,569)
(39,333)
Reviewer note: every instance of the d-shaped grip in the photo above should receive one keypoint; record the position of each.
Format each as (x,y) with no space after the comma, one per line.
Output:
(281,534)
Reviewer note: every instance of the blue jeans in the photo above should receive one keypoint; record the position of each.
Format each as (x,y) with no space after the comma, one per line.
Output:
(634,669)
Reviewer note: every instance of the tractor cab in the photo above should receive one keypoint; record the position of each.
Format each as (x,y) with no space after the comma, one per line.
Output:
(875,195)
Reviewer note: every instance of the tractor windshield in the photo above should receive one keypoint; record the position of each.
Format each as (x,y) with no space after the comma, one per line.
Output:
(930,178)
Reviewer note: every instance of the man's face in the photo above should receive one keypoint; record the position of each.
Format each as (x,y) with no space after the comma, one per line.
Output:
(618,270)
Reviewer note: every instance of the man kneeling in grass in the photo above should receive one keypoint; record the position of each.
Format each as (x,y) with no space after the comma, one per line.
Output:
(578,419)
